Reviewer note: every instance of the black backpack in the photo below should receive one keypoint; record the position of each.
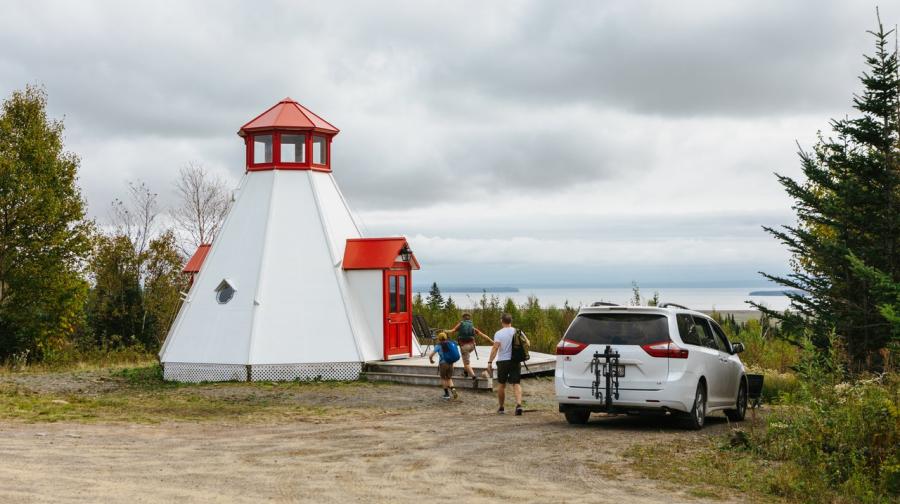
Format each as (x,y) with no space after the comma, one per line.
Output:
(520,347)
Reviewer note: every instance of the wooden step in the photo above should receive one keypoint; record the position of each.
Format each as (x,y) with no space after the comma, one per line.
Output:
(427,379)
(380,367)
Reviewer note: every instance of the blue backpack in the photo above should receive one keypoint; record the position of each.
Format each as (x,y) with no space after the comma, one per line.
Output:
(449,352)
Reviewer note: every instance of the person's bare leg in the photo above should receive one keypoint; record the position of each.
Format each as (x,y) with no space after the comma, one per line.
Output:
(469,370)
(501,393)
(517,390)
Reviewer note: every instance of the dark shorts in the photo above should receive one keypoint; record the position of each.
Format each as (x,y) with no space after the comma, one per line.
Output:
(445,370)
(509,371)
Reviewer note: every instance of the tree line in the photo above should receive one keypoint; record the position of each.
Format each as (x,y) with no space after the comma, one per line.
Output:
(68,284)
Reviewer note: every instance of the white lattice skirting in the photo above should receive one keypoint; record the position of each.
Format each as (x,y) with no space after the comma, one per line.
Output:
(195,373)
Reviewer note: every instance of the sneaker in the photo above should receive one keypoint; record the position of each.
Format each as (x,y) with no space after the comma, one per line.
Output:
(501,411)
(445,397)
(455,394)
(518,410)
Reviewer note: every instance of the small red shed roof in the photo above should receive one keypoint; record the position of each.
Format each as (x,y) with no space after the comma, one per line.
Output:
(288,114)
(375,253)
(196,261)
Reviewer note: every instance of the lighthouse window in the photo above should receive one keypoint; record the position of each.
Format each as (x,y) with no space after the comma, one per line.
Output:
(262,149)
(319,150)
(293,148)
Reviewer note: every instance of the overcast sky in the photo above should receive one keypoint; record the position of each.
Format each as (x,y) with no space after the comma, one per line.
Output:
(512,142)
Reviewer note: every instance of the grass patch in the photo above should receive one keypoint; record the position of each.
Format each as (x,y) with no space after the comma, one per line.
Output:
(709,469)
(84,361)
(140,395)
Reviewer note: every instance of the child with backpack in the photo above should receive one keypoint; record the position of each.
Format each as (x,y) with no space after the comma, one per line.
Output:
(466,332)
(449,354)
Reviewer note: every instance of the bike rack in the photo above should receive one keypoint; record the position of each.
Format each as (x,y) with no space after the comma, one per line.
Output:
(605,367)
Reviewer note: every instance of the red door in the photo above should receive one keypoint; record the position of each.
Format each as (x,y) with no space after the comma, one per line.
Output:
(397,307)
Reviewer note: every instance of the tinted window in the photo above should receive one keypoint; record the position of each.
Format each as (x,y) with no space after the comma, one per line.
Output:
(705,333)
(619,329)
(688,330)
(392,294)
(721,339)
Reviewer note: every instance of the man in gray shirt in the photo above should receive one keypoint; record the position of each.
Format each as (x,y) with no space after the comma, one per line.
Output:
(508,370)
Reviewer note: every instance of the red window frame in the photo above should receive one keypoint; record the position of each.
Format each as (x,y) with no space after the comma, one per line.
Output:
(276,151)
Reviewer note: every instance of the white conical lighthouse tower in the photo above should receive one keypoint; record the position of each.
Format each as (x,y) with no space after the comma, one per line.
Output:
(290,289)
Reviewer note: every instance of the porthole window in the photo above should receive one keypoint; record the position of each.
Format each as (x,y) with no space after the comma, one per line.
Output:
(224,292)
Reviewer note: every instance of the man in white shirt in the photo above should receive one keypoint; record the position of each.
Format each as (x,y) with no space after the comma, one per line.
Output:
(508,370)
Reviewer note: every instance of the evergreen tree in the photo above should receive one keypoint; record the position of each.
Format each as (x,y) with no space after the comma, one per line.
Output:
(434,301)
(848,204)
(44,236)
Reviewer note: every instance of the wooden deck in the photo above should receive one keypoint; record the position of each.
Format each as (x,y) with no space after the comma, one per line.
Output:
(418,371)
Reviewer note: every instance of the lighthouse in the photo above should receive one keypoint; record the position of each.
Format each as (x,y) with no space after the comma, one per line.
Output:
(290,289)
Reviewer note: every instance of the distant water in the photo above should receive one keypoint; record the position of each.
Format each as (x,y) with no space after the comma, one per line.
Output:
(697,298)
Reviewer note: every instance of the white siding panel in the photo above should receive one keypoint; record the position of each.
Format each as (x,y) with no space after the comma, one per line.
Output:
(212,333)
(336,215)
(367,294)
(301,317)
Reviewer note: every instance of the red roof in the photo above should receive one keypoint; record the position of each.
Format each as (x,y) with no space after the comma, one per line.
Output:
(196,261)
(288,114)
(375,253)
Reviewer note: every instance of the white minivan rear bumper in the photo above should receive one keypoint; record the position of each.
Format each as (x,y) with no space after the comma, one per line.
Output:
(674,395)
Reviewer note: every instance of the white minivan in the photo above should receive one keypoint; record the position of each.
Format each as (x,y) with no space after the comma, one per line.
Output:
(668,359)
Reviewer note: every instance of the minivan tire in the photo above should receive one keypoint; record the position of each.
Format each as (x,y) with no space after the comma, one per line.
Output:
(578,416)
(740,408)
(697,416)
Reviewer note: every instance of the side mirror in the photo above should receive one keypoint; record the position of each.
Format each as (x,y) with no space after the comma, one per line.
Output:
(737,348)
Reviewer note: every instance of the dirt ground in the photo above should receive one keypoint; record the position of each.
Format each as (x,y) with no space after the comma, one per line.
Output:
(371,443)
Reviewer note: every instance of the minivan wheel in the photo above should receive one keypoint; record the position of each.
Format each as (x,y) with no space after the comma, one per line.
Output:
(696,418)
(740,408)
(578,416)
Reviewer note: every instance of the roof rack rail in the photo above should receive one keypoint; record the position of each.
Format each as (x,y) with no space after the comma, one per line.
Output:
(666,305)
(604,303)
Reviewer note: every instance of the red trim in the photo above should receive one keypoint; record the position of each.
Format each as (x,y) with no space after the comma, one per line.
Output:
(376,253)
(401,321)
(196,261)
(276,163)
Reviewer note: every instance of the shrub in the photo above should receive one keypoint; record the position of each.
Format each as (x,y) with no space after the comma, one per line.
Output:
(843,436)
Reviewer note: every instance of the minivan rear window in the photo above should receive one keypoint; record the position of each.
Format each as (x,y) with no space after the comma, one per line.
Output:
(619,329)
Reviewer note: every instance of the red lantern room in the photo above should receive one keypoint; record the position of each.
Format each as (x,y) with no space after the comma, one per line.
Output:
(288,136)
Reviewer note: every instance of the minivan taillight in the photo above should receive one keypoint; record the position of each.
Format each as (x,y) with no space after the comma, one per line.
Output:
(569,347)
(665,349)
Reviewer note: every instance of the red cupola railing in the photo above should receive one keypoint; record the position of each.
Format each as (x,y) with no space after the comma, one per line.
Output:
(288,136)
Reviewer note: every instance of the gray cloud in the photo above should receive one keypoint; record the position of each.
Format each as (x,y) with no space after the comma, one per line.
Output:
(674,111)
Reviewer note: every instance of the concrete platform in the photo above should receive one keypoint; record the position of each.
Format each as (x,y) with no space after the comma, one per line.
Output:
(418,371)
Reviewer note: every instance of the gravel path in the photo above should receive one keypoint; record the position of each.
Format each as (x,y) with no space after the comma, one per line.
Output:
(396,444)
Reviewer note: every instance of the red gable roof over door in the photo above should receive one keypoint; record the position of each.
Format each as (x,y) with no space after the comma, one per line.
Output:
(288,114)
(196,261)
(375,253)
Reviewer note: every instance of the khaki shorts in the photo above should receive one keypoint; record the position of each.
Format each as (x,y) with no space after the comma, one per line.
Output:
(465,349)
(445,369)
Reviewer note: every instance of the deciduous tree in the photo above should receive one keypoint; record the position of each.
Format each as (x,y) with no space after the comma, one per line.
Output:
(43,231)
